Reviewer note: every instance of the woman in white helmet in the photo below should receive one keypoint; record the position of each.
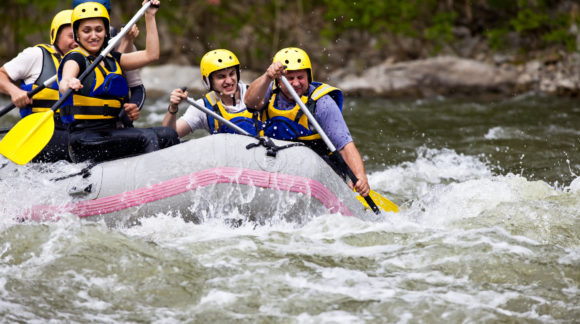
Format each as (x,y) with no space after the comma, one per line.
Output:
(220,70)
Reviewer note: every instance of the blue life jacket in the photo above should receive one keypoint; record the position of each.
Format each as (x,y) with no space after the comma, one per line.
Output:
(103,93)
(293,124)
(248,121)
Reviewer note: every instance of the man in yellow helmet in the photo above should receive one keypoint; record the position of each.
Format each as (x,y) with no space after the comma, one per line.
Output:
(220,70)
(32,67)
(283,119)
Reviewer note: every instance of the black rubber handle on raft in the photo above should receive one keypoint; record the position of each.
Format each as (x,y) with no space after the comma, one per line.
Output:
(31,93)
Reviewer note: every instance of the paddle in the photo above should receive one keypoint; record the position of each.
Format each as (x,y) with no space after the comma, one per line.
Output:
(328,143)
(31,93)
(36,90)
(383,202)
(31,134)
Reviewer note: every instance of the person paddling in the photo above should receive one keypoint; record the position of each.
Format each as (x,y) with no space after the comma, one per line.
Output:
(32,67)
(220,71)
(136,88)
(284,120)
(93,109)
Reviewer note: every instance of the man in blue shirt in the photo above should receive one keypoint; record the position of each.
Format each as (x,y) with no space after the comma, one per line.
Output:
(283,119)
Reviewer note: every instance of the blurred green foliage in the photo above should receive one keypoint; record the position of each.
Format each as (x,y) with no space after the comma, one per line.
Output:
(255,29)
(539,23)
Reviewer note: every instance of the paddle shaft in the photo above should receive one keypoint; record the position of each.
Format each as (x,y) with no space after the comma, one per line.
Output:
(218,117)
(112,43)
(327,141)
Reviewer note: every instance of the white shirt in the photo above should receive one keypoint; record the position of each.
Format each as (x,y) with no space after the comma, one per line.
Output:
(197,119)
(26,66)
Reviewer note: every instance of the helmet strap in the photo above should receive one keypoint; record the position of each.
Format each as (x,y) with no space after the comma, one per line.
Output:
(58,49)
(56,41)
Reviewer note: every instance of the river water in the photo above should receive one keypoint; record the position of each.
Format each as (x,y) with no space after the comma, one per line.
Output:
(489,231)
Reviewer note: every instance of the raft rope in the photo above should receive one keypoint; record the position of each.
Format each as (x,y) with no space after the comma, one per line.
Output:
(85,173)
(271,148)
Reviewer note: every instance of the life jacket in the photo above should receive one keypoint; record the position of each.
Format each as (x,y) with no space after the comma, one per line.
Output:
(293,124)
(250,122)
(103,93)
(46,98)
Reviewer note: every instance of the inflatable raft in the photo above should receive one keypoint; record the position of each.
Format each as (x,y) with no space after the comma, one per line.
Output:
(222,175)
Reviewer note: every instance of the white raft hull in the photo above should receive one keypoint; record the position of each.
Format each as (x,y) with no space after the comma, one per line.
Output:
(214,176)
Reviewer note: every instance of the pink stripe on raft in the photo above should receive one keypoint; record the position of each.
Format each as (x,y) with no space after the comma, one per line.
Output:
(190,182)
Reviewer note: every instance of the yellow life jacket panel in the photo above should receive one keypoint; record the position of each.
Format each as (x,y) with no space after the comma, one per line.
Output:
(246,120)
(293,124)
(103,94)
(46,98)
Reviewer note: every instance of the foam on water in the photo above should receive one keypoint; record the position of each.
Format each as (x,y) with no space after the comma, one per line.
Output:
(466,238)
(414,179)
(498,132)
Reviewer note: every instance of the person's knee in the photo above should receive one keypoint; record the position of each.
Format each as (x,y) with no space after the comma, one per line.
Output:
(166,136)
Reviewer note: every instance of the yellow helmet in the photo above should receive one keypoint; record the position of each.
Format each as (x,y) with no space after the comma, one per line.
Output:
(89,10)
(216,60)
(61,19)
(294,59)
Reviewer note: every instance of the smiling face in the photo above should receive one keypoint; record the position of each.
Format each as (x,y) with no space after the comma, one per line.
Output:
(298,80)
(225,81)
(91,34)
(65,40)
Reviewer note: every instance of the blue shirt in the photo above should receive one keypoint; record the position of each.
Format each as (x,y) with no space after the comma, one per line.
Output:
(327,114)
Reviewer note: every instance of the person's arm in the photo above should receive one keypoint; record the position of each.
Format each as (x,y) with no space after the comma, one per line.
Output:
(137,90)
(352,157)
(330,118)
(70,72)
(18,96)
(255,95)
(26,67)
(170,119)
(139,59)
(127,43)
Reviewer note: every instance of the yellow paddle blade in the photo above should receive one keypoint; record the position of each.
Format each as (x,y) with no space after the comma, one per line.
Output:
(383,203)
(28,137)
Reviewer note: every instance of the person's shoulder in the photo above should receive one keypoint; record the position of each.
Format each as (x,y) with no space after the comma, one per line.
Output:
(327,103)
(31,51)
(74,53)
(26,57)
(243,88)
(116,55)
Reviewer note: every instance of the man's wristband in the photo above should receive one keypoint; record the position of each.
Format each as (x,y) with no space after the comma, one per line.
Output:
(172,112)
